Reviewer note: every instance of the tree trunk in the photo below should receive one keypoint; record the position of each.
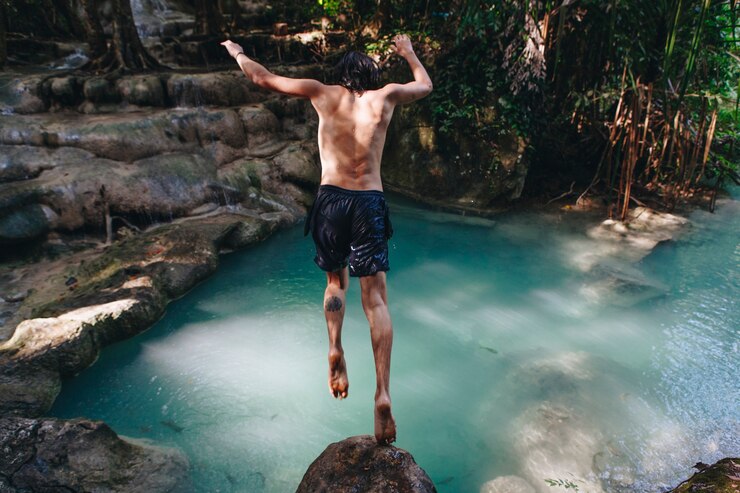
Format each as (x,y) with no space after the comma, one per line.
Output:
(125,51)
(3,37)
(93,29)
(208,18)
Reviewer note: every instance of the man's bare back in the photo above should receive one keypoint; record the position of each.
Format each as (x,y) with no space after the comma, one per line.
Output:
(352,126)
(351,236)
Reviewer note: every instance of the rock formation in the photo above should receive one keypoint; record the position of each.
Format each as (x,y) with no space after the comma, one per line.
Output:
(721,477)
(81,455)
(360,464)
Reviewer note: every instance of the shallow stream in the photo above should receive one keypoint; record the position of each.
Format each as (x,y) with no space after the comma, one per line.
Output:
(507,359)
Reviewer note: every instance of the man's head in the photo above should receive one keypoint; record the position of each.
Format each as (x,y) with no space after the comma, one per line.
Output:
(357,72)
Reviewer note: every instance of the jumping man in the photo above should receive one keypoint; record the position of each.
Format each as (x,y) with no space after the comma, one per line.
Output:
(349,220)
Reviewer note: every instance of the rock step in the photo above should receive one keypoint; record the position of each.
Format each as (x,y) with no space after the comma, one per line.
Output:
(62,173)
(29,94)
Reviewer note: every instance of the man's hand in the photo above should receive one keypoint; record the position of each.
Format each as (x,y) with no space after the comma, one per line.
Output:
(403,45)
(233,48)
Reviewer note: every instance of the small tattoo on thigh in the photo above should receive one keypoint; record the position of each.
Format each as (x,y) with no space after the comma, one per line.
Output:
(333,304)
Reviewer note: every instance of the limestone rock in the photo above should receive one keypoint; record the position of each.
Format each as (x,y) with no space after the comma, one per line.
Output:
(81,455)
(21,95)
(21,162)
(260,124)
(359,464)
(142,90)
(128,137)
(298,166)
(100,90)
(216,88)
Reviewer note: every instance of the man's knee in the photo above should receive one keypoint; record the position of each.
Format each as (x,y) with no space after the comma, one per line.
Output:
(373,290)
(338,279)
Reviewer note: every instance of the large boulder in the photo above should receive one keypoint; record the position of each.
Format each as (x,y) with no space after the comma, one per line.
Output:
(81,455)
(360,464)
(452,169)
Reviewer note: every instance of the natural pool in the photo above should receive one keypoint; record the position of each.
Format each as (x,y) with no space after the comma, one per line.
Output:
(507,361)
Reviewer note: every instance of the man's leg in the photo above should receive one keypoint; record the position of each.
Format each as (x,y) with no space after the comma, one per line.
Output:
(375,304)
(334,301)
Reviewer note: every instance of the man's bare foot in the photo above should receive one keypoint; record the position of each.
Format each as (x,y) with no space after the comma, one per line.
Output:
(338,383)
(385,425)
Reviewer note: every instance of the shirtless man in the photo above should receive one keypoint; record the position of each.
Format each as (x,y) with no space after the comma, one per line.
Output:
(349,219)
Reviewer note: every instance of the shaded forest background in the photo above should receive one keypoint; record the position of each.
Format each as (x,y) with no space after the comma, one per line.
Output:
(629,101)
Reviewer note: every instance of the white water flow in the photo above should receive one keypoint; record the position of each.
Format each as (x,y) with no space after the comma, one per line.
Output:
(508,364)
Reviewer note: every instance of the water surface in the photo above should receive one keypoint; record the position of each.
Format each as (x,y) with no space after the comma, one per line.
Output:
(512,356)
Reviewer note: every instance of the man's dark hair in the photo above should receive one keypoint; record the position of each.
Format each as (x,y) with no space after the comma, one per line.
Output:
(357,72)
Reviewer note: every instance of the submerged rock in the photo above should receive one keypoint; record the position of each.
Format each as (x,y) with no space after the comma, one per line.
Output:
(360,464)
(507,484)
(81,455)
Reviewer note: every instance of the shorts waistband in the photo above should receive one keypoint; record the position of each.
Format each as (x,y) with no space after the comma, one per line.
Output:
(345,191)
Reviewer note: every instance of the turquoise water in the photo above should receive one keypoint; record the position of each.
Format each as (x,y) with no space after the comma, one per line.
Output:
(513,355)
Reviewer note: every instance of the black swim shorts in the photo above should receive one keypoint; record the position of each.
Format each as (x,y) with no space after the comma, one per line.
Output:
(350,227)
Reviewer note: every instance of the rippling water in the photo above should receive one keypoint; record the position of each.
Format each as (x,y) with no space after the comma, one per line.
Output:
(514,360)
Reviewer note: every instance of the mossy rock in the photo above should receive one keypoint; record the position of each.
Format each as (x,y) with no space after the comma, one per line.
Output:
(26,223)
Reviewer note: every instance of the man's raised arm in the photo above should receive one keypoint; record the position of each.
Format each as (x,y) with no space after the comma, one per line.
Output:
(304,88)
(420,86)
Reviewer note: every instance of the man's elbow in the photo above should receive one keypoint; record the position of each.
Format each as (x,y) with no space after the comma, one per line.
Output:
(260,80)
(428,87)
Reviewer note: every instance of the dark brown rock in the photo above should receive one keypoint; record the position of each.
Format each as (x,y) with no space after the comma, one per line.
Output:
(360,464)
(721,477)
(81,455)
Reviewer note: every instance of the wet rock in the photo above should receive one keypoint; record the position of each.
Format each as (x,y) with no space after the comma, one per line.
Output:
(215,89)
(507,484)
(142,90)
(721,477)
(81,455)
(22,162)
(359,464)
(14,296)
(27,390)
(203,209)
(64,90)
(174,183)
(130,136)
(298,165)
(21,95)
(238,174)
(250,231)
(260,124)
(100,90)
(23,224)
